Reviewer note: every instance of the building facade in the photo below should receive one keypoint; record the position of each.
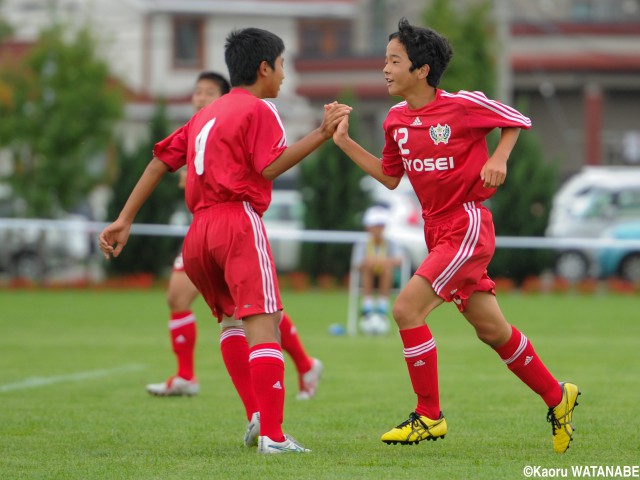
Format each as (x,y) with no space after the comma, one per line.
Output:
(575,64)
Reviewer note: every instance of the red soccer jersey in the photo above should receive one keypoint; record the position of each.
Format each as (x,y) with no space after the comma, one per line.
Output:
(442,146)
(226,146)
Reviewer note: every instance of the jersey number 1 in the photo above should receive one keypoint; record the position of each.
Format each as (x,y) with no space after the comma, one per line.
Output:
(201,143)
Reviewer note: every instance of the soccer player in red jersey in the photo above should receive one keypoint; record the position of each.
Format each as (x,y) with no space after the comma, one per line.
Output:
(233,149)
(182,293)
(438,140)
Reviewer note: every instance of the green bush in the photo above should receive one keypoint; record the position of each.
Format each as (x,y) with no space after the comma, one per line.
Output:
(521,207)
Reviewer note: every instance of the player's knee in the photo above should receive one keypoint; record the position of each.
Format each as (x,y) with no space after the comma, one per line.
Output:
(490,336)
(404,314)
(492,330)
(176,301)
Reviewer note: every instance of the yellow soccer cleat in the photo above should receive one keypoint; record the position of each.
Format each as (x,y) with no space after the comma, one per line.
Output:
(416,429)
(561,415)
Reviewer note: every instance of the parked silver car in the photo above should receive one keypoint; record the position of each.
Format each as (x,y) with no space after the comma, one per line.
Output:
(33,248)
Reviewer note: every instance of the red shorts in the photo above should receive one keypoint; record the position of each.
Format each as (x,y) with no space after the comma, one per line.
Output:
(461,244)
(228,258)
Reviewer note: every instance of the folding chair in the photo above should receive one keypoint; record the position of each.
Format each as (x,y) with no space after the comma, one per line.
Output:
(402,276)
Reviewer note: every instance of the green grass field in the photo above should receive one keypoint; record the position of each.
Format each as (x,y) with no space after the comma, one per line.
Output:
(74,364)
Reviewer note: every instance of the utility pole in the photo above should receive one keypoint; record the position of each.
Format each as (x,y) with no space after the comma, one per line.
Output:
(503,61)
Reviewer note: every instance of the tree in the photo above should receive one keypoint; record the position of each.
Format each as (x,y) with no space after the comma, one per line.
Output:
(58,117)
(470,33)
(334,200)
(521,207)
(5,28)
(146,254)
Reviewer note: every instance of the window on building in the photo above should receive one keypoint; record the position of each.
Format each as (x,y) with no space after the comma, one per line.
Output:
(325,38)
(188,42)
(611,10)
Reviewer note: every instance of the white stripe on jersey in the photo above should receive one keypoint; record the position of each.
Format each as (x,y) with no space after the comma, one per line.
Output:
(466,248)
(283,139)
(266,352)
(496,107)
(419,350)
(268,284)
(398,105)
(231,332)
(519,350)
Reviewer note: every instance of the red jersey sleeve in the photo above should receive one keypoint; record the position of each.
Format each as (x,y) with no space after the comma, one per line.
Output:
(173,149)
(267,140)
(483,114)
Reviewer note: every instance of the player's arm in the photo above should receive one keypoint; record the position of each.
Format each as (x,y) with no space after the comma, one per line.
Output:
(114,237)
(365,160)
(494,171)
(292,155)
(182,179)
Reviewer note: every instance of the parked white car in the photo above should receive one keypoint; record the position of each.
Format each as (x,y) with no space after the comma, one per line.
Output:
(588,204)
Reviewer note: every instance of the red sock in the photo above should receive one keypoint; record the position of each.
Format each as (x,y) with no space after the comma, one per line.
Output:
(520,357)
(235,354)
(267,375)
(293,346)
(421,356)
(182,328)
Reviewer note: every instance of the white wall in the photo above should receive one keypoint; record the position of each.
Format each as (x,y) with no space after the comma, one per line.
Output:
(138,47)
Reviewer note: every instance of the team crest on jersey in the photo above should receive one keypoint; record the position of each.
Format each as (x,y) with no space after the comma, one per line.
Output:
(440,133)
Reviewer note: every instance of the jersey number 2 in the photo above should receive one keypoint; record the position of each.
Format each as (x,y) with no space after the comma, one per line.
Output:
(401,136)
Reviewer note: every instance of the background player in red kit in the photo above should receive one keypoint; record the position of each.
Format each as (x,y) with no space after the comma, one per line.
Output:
(438,139)
(182,293)
(233,149)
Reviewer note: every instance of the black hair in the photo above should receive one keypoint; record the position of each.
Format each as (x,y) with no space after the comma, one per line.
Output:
(216,78)
(424,46)
(246,49)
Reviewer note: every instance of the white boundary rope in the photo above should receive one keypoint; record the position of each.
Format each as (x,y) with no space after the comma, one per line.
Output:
(320,236)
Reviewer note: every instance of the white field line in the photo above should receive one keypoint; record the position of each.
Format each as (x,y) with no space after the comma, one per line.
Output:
(35,382)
